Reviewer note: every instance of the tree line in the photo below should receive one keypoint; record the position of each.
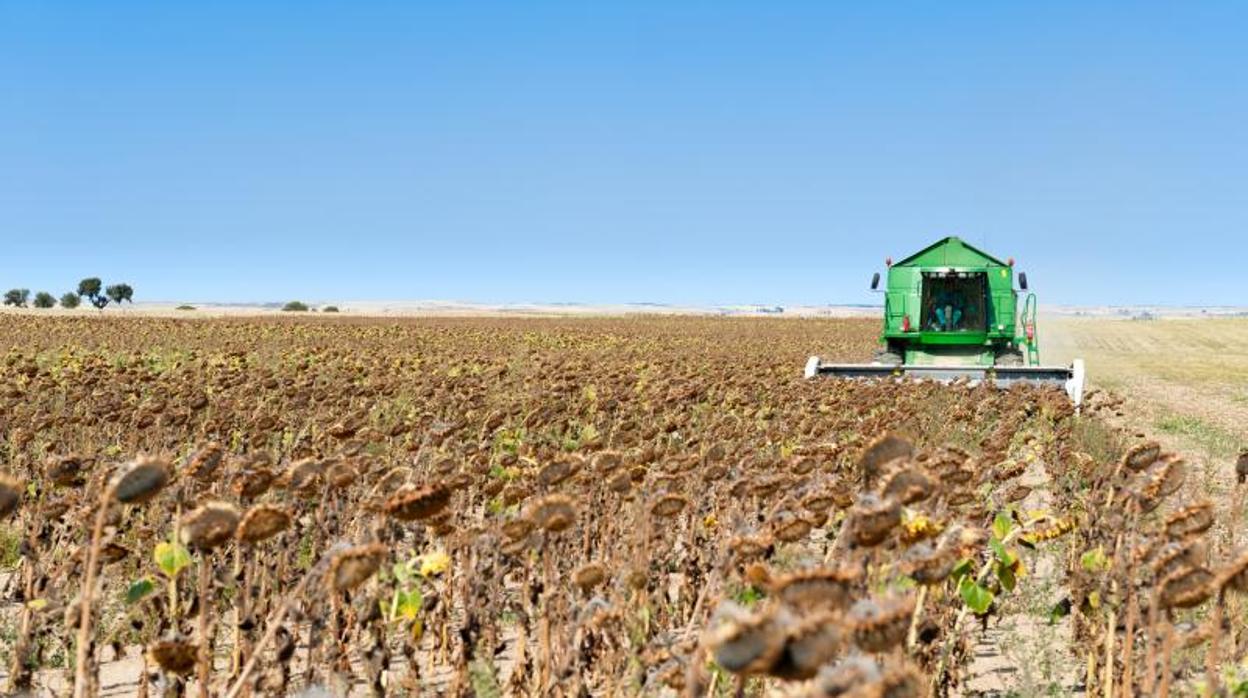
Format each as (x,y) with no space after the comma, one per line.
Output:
(92,289)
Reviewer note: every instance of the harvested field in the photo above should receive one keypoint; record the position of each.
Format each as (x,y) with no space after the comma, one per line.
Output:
(609,506)
(1185,380)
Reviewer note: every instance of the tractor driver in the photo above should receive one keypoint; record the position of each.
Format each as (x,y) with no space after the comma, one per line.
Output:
(946,311)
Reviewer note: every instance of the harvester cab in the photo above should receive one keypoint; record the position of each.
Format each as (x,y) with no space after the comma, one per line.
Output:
(951,311)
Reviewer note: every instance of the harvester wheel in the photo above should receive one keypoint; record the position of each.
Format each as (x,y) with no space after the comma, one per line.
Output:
(1009,357)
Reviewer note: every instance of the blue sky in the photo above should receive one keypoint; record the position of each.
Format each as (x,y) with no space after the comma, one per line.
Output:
(685,152)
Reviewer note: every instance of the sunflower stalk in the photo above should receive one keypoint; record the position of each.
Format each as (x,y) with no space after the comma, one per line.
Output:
(84,666)
(271,625)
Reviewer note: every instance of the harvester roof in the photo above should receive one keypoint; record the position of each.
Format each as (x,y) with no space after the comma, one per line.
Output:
(950,252)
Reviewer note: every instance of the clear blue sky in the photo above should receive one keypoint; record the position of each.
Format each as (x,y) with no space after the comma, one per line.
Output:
(709,152)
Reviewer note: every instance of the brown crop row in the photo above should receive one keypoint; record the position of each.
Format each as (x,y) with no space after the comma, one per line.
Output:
(551,507)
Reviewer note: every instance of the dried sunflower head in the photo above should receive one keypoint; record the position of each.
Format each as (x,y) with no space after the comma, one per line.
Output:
(908,484)
(518,527)
(140,480)
(174,655)
(926,564)
(853,676)
(554,513)
(668,505)
(842,493)
(589,575)
(714,472)
(253,481)
(342,430)
(873,519)
(1163,479)
(518,546)
(605,462)
(620,482)
(113,552)
(1186,588)
(1017,493)
(812,642)
(1008,470)
(1191,520)
(763,486)
(209,526)
(1141,456)
(341,474)
(262,522)
(881,624)
(636,578)
(819,501)
(956,476)
(303,474)
(66,471)
(960,497)
(748,547)
(790,527)
(714,453)
(817,519)
(392,481)
(441,525)
(417,503)
(514,493)
(446,466)
(819,589)
(748,643)
(757,574)
(11,490)
(802,465)
(202,466)
(1172,556)
(881,451)
(351,567)
(1235,575)
(557,472)
(54,509)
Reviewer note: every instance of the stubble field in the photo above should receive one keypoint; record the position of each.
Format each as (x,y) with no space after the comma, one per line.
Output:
(655,506)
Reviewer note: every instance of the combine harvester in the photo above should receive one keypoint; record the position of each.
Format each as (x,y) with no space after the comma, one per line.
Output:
(951,311)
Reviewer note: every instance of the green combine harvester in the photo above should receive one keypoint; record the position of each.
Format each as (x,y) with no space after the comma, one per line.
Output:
(951,311)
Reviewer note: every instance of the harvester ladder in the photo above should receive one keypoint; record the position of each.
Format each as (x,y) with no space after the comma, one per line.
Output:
(1028,318)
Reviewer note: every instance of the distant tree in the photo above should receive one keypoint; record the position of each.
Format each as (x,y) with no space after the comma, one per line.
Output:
(120,292)
(295,307)
(17,297)
(70,300)
(90,287)
(329,309)
(185,307)
(43,299)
